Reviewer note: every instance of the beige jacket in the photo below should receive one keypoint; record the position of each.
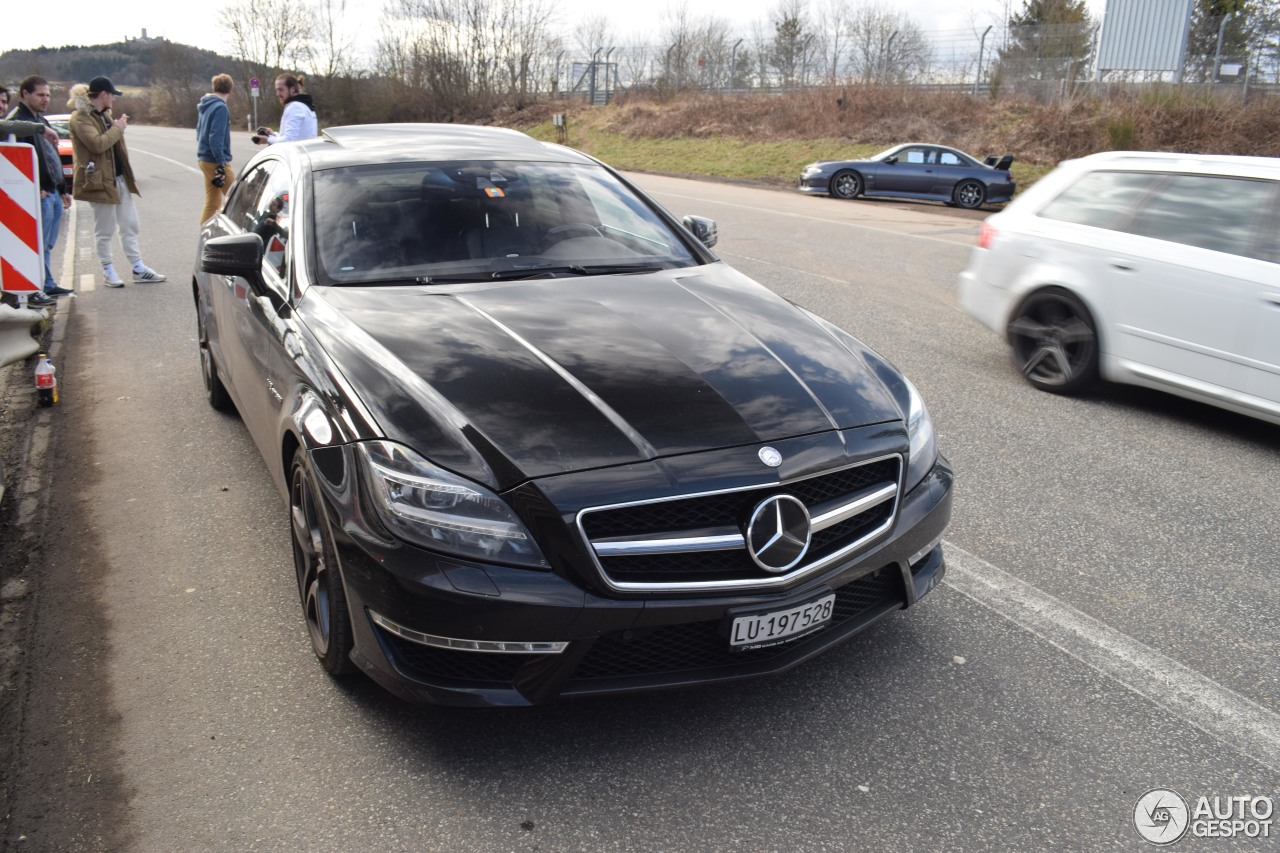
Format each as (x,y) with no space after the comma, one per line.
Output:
(90,143)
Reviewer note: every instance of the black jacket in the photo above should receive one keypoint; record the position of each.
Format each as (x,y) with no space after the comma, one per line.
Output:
(51,180)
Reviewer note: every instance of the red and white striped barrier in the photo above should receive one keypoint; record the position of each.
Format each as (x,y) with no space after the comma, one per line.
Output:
(21,256)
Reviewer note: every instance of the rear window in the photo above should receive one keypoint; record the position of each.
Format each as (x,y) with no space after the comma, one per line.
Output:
(1101,199)
(1216,212)
(1208,211)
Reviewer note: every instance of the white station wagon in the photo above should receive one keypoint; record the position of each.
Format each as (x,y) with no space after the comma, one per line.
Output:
(1161,270)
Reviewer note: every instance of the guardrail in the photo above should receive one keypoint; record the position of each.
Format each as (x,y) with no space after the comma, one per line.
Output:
(16,342)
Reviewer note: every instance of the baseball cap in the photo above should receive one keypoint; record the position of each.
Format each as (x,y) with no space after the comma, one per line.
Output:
(98,85)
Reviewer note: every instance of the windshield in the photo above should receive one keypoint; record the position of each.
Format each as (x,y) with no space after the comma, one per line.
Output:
(482,220)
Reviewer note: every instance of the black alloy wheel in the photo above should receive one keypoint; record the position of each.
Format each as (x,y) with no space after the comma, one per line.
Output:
(1055,342)
(970,195)
(324,602)
(846,184)
(214,389)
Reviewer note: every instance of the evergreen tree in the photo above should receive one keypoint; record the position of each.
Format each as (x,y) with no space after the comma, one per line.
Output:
(1207,21)
(1048,41)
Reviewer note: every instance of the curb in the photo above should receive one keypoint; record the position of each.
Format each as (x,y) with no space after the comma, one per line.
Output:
(23,526)
(31,474)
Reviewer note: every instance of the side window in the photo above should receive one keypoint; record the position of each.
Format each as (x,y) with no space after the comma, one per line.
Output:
(1208,211)
(946,158)
(912,155)
(271,216)
(244,196)
(1101,199)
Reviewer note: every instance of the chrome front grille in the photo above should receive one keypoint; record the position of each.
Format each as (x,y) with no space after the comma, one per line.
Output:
(698,542)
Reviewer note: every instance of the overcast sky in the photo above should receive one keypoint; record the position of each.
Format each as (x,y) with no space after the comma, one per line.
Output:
(82,22)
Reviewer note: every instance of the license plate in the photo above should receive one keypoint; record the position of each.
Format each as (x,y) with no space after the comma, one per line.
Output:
(761,630)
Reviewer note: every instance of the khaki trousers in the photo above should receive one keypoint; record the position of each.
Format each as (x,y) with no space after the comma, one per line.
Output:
(213,197)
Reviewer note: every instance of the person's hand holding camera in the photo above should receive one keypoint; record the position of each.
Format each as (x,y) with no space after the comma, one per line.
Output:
(260,135)
(219,178)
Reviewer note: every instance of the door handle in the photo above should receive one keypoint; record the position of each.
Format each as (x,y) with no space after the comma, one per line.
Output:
(1273,298)
(1121,264)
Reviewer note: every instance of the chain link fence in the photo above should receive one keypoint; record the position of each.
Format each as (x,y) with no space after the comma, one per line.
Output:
(1048,63)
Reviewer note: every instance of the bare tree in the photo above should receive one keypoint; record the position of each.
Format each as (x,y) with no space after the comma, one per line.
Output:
(458,56)
(270,35)
(887,46)
(678,33)
(592,33)
(334,39)
(835,19)
(523,35)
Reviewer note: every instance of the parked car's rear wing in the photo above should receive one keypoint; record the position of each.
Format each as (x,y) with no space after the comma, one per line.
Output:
(1001,164)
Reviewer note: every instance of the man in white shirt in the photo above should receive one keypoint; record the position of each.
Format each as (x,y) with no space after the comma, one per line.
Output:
(298,121)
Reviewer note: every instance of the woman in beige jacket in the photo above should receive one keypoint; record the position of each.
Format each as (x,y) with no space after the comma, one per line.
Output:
(104,178)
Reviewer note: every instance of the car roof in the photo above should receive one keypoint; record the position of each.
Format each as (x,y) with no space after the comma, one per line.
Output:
(1165,161)
(352,145)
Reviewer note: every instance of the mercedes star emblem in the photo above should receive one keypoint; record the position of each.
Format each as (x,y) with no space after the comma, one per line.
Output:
(778,533)
(770,457)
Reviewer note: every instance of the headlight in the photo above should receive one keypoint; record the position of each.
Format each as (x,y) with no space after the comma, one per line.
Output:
(429,506)
(924,451)
(810,170)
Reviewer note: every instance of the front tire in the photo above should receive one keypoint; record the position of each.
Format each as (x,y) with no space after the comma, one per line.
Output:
(213,387)
(970,195)
(324,601)
(1055,342)
(846,185)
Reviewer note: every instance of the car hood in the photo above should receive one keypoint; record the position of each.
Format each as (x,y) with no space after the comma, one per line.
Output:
(829,164)
(504,383)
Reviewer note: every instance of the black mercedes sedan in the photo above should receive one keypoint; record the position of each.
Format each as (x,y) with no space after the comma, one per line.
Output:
(536,440)
(916,170)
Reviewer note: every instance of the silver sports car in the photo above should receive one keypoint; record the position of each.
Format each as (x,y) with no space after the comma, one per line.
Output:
(915,170)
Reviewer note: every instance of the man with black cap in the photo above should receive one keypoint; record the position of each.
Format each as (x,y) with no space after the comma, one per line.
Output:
(104,178)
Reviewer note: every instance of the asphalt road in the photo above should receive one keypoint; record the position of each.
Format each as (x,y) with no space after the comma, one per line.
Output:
(1110,622)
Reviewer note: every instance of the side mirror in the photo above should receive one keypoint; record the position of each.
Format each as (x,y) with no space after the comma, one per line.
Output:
(702,228)
(238,255)
(891,160)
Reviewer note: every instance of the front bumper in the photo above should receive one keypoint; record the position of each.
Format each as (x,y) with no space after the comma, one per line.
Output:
(815,184)
(465,623)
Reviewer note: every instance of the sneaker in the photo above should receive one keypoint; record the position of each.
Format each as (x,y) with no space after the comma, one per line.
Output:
(57,291)
(111,278)
(147,275)
(41,299)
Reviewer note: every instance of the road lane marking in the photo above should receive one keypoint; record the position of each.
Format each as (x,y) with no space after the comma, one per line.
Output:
(1239,723)
(971,236)
(166,159)
(792,269)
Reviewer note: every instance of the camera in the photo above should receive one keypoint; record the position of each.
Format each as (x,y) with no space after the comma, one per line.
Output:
(263,131)
(219,178)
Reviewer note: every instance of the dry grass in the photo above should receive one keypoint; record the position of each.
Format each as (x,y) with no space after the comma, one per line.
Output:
(769,137)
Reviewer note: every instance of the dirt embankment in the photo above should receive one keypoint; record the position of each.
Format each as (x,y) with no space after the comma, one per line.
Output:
(1151,118)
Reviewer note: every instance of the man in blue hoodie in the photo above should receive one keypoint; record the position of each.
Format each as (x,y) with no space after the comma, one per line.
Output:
(213,144)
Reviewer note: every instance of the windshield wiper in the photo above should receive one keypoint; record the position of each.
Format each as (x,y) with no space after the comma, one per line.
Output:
(610,269)
(525,273)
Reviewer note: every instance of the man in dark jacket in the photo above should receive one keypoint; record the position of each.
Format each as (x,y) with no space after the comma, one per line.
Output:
(33,98)
(213,144)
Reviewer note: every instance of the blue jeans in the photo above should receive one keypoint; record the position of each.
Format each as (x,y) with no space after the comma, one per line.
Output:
(51,214)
